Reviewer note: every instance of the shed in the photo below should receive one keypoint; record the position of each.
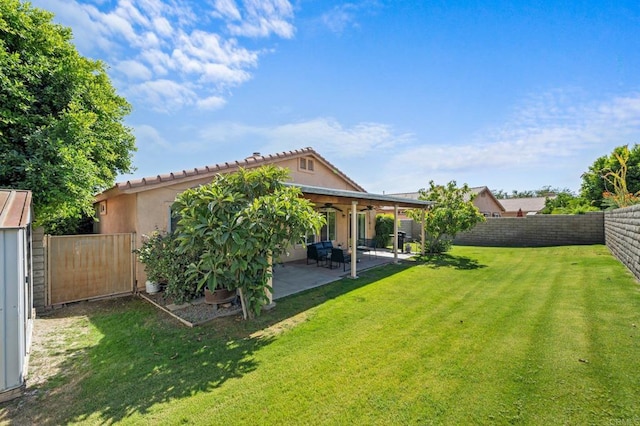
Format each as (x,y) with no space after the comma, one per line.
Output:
(16,291)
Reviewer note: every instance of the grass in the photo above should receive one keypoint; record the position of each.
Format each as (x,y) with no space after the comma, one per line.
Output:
(477,336)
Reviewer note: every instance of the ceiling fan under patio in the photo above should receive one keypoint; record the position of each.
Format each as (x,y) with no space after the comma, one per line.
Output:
(368,208)
(328,206)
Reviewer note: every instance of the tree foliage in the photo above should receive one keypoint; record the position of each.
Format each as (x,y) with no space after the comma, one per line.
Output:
(567,203)
(594,181)
(453,212)
(545,191)
(236,223)
(61,122)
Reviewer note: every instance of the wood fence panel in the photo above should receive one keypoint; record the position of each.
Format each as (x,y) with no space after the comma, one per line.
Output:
(82,267)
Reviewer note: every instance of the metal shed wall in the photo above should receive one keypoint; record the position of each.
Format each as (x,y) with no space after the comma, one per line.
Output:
(16,301)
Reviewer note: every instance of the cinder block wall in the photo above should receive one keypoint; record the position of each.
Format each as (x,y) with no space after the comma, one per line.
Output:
(536,231)
(622,236)
(39,268)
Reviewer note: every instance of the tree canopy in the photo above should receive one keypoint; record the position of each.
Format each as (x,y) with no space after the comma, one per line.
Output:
(453,212)
(594,181)
(233,225)
(62,134)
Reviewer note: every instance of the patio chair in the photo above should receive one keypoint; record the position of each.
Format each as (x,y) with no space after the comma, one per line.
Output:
(367,245)
(340,256)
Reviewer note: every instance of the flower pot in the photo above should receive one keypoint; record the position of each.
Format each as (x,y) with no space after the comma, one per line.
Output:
(152,287)
(219,296)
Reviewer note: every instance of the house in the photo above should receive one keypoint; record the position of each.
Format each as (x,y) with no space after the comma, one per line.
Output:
(526,206)
(142,206)
(484,200)
(16,291)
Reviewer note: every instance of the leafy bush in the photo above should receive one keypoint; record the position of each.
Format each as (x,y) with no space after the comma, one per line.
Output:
(232,227)
(163,265)
(384,229)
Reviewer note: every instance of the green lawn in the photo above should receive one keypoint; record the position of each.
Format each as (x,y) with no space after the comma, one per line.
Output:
(478,336)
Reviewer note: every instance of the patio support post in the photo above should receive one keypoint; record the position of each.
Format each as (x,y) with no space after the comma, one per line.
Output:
(354,242)
(395,233)
(422,232)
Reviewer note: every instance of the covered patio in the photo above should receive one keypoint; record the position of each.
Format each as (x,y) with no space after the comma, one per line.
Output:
(297,276)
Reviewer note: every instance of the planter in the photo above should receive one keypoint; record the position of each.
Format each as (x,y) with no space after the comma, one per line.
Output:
(219,296)
(152,287)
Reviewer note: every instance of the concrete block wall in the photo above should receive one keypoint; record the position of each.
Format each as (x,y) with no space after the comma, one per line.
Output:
(622,236)
(39,268)
(536,231)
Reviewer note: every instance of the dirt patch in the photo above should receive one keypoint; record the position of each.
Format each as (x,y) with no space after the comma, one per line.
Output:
(195,312)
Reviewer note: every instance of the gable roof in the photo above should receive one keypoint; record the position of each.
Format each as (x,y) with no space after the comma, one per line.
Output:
(198,173)
(476,190)
(15,208)
(533,204)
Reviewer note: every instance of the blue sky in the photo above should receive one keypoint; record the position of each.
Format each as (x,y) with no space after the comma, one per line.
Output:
(511,95)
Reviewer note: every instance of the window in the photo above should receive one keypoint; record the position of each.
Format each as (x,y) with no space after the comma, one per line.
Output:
(496,214)
(102,207)
(306,164)
(174,217)
(361,226)
(328,231)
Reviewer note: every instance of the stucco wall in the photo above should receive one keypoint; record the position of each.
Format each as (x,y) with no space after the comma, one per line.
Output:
(536,231)
(622,236)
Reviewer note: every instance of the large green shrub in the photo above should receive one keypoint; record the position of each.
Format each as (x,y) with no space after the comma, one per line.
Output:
(164,265)
(234,225)
(384,229)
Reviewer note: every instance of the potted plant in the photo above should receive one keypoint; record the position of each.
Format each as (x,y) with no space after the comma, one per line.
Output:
(153,254)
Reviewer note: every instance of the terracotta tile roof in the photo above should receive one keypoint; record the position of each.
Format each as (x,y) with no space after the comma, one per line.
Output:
(197,173)
(15,208)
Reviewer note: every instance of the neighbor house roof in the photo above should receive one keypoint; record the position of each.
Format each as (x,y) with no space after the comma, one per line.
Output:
(198,173)
(533,204)
(15,208)
(476,190)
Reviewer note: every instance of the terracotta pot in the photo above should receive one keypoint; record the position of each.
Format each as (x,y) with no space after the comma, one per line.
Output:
(219,296)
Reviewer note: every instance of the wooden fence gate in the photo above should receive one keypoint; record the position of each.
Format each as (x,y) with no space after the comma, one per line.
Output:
(82,267)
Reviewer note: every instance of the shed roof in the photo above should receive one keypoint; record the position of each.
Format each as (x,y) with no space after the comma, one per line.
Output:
(15,208)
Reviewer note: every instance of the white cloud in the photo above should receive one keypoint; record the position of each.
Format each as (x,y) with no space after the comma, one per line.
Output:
(165,95)
(325,134)
(263,18)
(211,103)
(175,43)
(553,130)
(340,17)
(149,135)
(134,70)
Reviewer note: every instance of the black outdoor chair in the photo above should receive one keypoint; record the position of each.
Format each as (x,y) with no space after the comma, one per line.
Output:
(340,256)
(367,245)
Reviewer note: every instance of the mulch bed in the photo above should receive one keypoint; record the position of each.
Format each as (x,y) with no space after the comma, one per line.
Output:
(193,313)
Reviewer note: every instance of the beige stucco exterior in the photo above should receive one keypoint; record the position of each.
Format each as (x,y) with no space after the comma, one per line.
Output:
(143,206)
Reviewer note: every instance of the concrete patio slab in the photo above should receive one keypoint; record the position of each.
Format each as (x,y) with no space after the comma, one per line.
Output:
(293,277)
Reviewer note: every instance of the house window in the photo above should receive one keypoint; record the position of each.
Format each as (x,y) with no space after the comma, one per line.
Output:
(496,214)
(102,207)
(361,226)
(174,217)
(328,231)
(306,164)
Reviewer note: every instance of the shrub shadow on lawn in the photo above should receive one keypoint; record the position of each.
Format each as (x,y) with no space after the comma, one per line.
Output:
(144,357)
(445,260)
